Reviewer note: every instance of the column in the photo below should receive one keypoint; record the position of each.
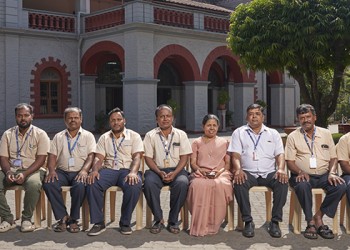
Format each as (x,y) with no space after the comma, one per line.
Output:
(282,104)
(196,93)
(140,102)
(88,98)
(244,96)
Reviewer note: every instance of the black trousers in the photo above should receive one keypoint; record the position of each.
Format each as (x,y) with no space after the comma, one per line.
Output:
(303,190)
(279,189)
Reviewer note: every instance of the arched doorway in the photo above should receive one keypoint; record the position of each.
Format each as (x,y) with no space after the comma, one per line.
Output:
(109,86)
(174,65)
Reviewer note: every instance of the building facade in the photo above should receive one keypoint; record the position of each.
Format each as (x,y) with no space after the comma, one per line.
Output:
(134,54)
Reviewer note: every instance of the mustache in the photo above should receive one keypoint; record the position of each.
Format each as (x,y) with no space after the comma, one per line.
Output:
(306,123)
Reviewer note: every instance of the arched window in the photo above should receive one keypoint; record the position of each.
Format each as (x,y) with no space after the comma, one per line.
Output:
(50,94)
(50,88)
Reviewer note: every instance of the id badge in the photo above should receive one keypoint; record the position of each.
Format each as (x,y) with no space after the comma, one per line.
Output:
(17,163)
(255,156)
(166,163)
(71,162)
(115,164)
(313,163)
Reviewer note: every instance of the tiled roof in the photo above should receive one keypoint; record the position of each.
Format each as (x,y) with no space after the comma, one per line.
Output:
(197,4)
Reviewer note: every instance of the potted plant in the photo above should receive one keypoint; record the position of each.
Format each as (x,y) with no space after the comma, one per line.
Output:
(175,106)
(223,98)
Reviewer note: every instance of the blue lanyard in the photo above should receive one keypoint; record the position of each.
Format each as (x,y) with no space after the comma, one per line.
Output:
(254,142)
(75,143)
(17,142)
(166,150)
(312,141)
(116,149)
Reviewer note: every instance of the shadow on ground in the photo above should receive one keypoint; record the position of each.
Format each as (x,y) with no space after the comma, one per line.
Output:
(143,239)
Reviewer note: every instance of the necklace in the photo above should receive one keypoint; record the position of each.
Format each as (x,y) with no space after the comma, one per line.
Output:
(210,147)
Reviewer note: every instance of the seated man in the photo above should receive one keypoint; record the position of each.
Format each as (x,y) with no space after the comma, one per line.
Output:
(311,157)
(70,158)
(255,151)
(117,162)
(23,151)
(167,151)
(343,154)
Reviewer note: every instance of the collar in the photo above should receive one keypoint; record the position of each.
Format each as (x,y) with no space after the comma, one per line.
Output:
(317,134)
(263,128)
(125,133)
(79,132)
(28,130)
(159,131)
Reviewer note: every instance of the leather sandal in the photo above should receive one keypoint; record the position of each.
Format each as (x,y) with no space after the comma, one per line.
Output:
(157,227)
(173,229)
(325,232)
(73,226)
(61,225)
(310,232)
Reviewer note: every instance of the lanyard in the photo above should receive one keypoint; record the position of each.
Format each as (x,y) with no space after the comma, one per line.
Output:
(166,150)
(254,142)
(312,141)
(17,142)
(116,148)
(75,143)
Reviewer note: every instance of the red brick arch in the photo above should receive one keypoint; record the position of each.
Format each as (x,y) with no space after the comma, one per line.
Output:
(65,99)
(236,73)
(99,54)
(275,77)
(182,57)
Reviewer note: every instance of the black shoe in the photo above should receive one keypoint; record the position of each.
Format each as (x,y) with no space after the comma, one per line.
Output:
(248,230)
(97,229)
(274,229)
(126,230)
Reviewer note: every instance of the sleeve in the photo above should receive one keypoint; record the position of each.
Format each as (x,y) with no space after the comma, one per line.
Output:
(137,144)
(4,148)
(101,147)
(291,150)
(332,150)
(185,148)
(43,144)
(342,149)
(194,154)
(53,146)
(148,147)
(235,143)
(91,143)
(279,149)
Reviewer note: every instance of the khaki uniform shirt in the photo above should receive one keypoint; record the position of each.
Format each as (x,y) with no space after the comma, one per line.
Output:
(85,145)
(343,148)
(154,148)
(125,146)
(37,143)
(324,150)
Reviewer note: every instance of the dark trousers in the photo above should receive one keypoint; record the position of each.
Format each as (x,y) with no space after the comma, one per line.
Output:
(279,195)
(178,193)
(108,178)
(346,177)
(53,192)
(303,190)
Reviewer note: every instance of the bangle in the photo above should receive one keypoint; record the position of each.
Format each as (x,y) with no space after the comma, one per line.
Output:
(8,172)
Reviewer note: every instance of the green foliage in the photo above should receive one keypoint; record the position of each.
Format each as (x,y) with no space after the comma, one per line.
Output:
(223,96)
(174,105)
(336,137)
(101,122)
(310,39)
